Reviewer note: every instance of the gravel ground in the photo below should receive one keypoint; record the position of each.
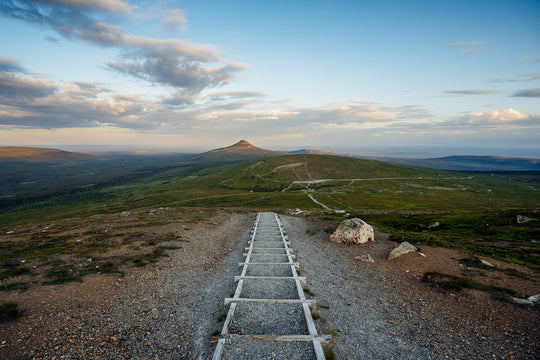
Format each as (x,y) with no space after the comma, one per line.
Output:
(382,311)
(166,311)
(170,310)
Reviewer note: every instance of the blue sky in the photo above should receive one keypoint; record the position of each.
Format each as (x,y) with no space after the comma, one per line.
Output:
(341,75)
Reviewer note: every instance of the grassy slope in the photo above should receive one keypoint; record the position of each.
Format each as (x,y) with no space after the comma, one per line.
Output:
(476,212)
(259,184)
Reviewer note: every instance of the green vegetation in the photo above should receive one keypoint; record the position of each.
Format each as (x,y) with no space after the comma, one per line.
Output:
(493,234)
(18,285)
(333,333)
(452,282)
(8,311)
(329,354)
(476,213)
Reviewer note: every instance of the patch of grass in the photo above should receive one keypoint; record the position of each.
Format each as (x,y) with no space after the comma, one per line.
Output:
(308,291)
(15,271)
(315,315)
(311,232)
(452,282)
(418,238)
(222,316)
(333,333)
(23,286)
(329,354)
(323,306)
(8,311)
(330,229)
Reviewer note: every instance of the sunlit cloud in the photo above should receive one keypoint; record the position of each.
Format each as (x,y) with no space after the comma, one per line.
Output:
(175,19)
(469,47)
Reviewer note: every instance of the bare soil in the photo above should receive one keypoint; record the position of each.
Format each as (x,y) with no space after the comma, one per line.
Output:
(173,308)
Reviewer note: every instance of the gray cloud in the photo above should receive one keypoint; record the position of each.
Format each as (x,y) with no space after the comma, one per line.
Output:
(528,93)
(10,65)
(469,47)
(15,87)
(178,64)
(471,92)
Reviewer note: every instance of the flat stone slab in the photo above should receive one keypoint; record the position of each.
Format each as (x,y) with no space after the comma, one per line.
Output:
(268,319)
(255,258)
(270,289)
(269,270)
(235,348)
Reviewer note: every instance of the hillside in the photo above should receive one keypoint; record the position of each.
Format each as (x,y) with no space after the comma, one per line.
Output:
(33,154)
(241,151)
(471,163)
(307,151)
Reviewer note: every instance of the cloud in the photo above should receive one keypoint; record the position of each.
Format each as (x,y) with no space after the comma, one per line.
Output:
(235,95)
(178,64)
(528,93)
(531,58)
(471,92)
(503,117)
(101,5)
(469,47)
(530,76)
(10,65)
(175,19)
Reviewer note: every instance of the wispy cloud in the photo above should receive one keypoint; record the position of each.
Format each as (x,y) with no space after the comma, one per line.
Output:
(469,47)
(528,93)
(471,92)
(531,58)
(185,67)
(175,19)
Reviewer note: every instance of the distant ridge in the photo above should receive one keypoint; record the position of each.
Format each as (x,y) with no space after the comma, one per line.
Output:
(471,163)
(307,151)
(35,154)
(242,150)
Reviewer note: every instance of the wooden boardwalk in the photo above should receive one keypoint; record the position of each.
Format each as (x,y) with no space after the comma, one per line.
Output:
(269,316)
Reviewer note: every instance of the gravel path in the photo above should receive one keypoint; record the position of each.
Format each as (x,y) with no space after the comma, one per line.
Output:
(376,313)
(264,317)
(174,308)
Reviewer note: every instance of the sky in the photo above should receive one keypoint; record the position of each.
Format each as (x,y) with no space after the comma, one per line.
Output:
(449,76)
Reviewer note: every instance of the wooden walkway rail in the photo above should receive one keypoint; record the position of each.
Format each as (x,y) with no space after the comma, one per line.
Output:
(269,317)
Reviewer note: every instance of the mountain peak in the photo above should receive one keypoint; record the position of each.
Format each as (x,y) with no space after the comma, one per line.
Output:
(242,143)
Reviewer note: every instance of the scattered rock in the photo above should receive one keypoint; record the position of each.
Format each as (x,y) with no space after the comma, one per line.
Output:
(484,262)
(353,231)
(403,248)
(365,257)
(522,219)
(523,301)
(535,298)
(436,224)
(125,213)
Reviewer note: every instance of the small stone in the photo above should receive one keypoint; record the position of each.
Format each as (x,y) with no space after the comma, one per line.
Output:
(403,248)
(113,339)
(484,262)
(365,257)
(534,298)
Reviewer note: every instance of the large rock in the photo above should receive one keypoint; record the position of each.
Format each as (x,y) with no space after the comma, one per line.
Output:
(403,248)
(353,231)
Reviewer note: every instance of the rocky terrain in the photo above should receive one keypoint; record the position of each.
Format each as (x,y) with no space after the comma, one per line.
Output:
(173,308)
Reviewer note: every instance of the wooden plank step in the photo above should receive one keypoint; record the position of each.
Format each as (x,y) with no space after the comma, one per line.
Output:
(296,265)
(310,303)
(321,338)
(302,279)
